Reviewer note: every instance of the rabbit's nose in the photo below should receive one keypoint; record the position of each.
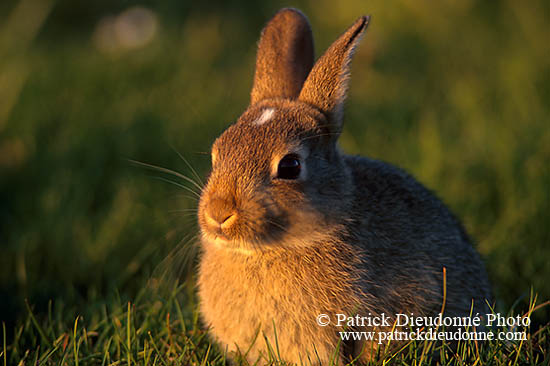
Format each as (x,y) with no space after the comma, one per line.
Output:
(220,213)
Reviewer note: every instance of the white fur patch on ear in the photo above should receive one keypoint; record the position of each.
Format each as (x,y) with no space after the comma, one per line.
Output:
(266,116)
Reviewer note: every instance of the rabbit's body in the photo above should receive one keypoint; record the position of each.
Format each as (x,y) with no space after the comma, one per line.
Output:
(373,265)
(292,228)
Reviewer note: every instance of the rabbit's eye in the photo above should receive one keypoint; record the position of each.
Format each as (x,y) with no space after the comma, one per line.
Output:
(289,167)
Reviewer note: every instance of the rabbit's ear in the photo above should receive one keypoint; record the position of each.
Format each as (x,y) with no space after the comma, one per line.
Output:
(327,84)
(285,57)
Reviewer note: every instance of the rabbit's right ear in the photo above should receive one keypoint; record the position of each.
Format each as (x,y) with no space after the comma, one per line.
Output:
(285,57)
(327,84)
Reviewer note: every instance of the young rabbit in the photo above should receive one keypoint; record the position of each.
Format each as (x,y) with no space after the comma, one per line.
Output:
(293,228)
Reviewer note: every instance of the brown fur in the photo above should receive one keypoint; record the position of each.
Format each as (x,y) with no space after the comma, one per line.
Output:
(351,235)
(286,44)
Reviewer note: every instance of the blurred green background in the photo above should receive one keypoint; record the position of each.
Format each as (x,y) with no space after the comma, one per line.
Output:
(456,92)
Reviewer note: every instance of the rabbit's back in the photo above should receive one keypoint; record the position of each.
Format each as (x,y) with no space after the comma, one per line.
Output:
(407,237)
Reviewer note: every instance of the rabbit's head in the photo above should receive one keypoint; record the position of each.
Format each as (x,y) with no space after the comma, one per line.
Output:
(277,176)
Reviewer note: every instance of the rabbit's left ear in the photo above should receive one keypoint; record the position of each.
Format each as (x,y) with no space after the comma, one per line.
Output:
(327,84)
(285,57)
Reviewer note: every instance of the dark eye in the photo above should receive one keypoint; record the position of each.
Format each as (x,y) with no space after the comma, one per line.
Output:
(289,167)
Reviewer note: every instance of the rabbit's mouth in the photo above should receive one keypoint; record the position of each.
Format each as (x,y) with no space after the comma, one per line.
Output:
(258,238)
(237,246)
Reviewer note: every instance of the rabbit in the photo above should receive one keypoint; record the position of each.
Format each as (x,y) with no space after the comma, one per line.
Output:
(291,227)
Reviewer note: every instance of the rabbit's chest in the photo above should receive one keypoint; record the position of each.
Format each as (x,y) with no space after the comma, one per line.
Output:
(238,299)
(250,295)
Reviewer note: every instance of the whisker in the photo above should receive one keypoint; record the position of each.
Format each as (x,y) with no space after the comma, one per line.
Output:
(179,185)
(167,171)
(276,224)
(314,134)
(189,197)
(189,165)
(186,252)
(177,261)
(319,135)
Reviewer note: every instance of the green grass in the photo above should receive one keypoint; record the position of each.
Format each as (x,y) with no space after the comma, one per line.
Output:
(454,92)
(161,330)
